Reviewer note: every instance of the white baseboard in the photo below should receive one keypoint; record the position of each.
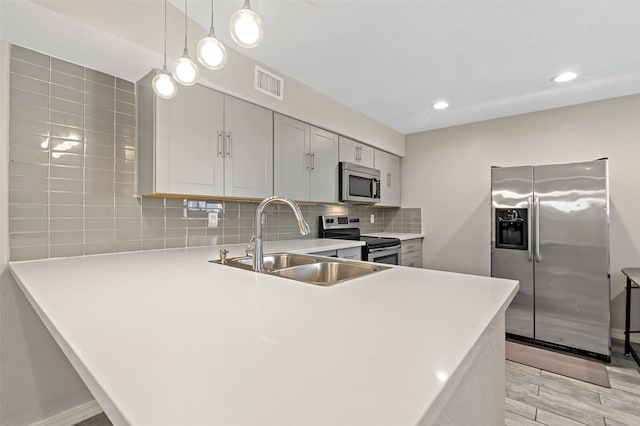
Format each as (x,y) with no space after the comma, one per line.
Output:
(71,416)
(618,334)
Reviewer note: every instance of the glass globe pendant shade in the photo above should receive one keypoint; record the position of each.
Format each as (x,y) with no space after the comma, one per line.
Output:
(185,71)
(164,85)
(211,52)
(246,27)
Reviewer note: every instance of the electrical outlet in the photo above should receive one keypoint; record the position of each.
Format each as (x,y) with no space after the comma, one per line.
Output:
(373,218)
(213,220)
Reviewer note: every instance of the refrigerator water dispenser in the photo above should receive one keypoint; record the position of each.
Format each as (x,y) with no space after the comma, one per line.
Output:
(511,229)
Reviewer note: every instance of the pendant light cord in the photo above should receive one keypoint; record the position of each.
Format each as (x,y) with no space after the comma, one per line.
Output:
(211,30)
(165,34)
(185,26)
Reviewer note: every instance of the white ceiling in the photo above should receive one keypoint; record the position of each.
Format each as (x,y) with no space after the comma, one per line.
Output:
(392,60)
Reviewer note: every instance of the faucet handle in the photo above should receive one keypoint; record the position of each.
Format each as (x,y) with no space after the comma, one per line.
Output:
(250,250)
(223,255)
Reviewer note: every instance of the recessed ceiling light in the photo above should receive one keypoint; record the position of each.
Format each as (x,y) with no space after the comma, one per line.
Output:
(564,77)
(440,105)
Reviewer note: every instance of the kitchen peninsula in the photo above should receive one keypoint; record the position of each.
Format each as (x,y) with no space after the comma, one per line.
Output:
(165,337)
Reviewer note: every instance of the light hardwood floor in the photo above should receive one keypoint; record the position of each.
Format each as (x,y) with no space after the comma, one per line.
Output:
(534,397)
(537,397)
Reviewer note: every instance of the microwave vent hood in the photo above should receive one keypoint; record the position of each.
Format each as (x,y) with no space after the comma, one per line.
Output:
(358,184)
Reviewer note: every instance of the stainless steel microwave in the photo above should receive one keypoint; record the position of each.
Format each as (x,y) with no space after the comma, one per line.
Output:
(359,184)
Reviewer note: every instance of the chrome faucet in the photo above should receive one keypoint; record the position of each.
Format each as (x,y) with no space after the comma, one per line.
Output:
(251,247)
(302,224)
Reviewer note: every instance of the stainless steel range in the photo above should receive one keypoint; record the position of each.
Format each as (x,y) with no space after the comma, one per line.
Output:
(376,249)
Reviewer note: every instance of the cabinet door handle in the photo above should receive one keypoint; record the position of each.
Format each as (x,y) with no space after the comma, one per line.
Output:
(359,154)
(307,161)
(313,161)
(228,143)
(220,153)
(388,179)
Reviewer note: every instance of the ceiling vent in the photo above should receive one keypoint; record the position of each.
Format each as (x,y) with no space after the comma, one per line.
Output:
(269,83)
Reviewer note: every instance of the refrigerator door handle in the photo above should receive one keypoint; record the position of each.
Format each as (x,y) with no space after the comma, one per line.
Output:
(536,201)
(529,228)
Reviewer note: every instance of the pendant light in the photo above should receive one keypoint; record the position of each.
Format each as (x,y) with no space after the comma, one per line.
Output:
(163,84)
(211,52)
(185,71)
(246,27)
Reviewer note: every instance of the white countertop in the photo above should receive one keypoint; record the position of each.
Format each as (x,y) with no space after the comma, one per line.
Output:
(403,236)
(166,338)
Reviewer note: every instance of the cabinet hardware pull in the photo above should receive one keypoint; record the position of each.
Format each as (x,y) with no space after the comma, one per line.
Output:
(228,144)
(388,179)
(307,161)
(220,154)
(313,161)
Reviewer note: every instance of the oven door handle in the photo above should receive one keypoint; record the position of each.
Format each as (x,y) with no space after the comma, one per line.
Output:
(392,248)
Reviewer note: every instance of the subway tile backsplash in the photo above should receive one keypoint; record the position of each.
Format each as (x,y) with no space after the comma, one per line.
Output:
(72,175)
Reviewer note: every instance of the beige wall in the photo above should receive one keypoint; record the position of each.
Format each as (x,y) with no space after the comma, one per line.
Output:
(140,23)
(447,173)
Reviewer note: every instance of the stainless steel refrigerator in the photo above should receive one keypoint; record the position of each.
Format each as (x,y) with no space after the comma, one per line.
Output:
(550,231)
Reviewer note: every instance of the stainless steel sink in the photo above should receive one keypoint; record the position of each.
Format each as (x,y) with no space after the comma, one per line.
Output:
(328,273)
(271,262)
(318,270)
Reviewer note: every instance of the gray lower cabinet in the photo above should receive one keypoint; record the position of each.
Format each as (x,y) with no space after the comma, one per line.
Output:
(411,253)
(203,142)
(353,253)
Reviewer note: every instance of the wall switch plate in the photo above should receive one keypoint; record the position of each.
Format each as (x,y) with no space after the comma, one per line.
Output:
(373,218)
(213,220)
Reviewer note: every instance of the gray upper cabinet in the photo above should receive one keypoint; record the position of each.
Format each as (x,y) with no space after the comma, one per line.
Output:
(389,166)
(248,167)
(356,152)
(324,166)
(203,143)
(305,161)
(291,162)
